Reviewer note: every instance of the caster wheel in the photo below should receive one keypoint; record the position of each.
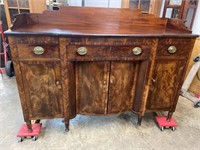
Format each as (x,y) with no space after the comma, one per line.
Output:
(162,128)
(197,104)
(9,68)
(34,138)
(20,139)
(173,128)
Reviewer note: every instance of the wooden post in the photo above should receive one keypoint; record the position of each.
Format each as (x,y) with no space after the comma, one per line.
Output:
(125,3)
(37,6)
(7,13)
(155,7)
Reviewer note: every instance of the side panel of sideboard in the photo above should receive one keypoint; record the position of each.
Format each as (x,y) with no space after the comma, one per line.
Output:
(38,77)
(168,74)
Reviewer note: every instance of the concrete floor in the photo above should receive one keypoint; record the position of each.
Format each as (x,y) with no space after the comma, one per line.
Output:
(98,133)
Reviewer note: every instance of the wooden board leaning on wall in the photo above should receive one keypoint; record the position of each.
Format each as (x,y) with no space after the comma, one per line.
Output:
(195,85)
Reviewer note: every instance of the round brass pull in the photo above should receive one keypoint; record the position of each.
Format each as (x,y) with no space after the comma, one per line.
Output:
(137,51)
(38,50)
(82,51)
(172,49)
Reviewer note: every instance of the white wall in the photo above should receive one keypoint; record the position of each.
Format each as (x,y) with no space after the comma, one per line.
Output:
(74,2)
(97,3)
(196,24)
(115,4)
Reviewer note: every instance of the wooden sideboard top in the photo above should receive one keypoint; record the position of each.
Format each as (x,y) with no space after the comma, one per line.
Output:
(90,21)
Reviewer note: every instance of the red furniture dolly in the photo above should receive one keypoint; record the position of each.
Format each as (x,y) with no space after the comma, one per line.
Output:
(23,132)
(163,123)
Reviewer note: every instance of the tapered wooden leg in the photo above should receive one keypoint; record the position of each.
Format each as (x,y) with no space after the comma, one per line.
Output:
(139,120)
(155,114)
(37,121)
(66,125)
(169,116)
(29,126)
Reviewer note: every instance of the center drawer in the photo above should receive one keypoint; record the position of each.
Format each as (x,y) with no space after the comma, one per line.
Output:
(91,53)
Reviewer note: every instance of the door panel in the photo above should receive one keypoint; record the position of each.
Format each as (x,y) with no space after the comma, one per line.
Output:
(92,87)
(42,88)
(121,88)
(165,85)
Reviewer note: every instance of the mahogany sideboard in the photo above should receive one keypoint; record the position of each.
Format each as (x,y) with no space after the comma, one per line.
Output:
(97,61)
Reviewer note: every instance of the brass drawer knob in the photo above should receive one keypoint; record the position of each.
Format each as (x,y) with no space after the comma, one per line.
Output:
(82,51)
(172,49)
(137,50)
(38,50)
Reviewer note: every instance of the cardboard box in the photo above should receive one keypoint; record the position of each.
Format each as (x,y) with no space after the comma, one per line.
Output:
(195,85)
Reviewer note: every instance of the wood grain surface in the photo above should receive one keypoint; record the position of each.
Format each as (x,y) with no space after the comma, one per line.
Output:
(166,76)
(42,85)
(97,22)
(92,87)
(122,85)
(26,52)
(107,53)
(109,79)
(182,45)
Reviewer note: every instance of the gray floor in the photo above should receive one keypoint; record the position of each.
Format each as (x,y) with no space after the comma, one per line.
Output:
(98,133)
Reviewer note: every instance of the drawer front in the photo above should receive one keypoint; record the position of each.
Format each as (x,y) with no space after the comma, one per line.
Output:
(174,47)
(108,52)
(36,40)
(26,51)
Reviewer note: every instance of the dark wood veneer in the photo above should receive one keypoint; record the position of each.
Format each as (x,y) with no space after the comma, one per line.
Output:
(110,78)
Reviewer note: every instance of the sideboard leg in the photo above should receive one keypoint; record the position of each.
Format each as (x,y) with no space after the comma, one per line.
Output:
(37,121)
(29,126)
(169,116)
(66,125)
(139,120)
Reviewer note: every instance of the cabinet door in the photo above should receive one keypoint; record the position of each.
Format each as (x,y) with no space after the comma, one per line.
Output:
(42,88)
(92,87)
(121,87)
(166,84)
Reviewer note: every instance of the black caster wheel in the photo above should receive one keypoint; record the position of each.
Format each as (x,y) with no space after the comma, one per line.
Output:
(197,104)
(162,128)
(9,68)
(34,138)
(20,139)
(196,59)
(173,128)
